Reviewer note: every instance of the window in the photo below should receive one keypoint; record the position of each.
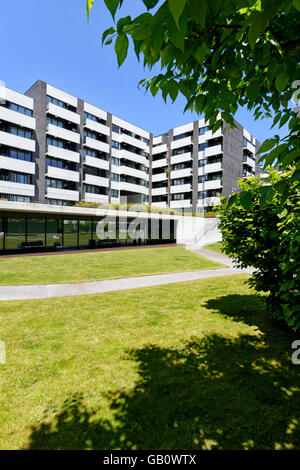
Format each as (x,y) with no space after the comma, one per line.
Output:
(115,177)
(203,146)
(182,136)
(178,181)
(17,108)
(114,193)
(15,177)
(115,129)
(178,197)
(17,154)
(87,152)
(115,161)
(115,144)
(55,122)
(18,131)
(202,130)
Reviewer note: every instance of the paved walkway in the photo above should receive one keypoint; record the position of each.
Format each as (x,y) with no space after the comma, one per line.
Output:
(44,291)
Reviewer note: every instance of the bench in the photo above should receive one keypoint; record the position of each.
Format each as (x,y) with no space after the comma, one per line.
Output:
(35,244)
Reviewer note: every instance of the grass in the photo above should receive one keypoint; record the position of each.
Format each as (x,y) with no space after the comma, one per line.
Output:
(217,247)
(100,265)
(198,365)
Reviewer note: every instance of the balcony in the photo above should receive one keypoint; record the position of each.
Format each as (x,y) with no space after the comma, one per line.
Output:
(159,191)
(160,177)
(160,149)
(15,141)
(209,135)
(133,157)
(134,188)
(63,113)
(97,127)
(180,204)
(186,172)
(214,150)
(62,154)
(96,181)
(250,147)
(18,189)
(98,198)
(159,163)
(127,170)
(17,118)
(183,157)
(209,201)
(213,184)
(21,166)
(159,204)
(62,133)
(213,167)
(61,174)
(64,194)
(134,142)
(249,162)
(96,144)
(181,188)
(175,144)
(96,162)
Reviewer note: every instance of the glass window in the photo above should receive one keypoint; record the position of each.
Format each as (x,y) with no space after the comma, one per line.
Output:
(115,129)
(54,232)
(85,232)
(16,232)
(115,144)
(1,233)
(70,232)
(36,230)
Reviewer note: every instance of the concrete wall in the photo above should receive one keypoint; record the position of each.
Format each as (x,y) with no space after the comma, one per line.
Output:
(197,231)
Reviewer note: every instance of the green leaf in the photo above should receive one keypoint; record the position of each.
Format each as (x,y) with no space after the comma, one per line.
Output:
(281,81)
(282,214)
(173,89)
(231,201)
(198,10)
(267,145)
(89,4)
(112,5)
(107,33)
(143,31)
(150,3)
(121,48)
(266,196)
(246,200)
(176,8)
(296,4)
(201,52)
(290,158)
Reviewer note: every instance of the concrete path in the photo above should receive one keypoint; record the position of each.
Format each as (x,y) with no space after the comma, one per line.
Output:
(218,257)
(44,291)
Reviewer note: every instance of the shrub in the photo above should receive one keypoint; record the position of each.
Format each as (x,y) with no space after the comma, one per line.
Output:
(266,236)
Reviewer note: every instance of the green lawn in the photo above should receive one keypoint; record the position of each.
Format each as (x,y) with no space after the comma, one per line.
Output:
(100,265)
(217,247)
(197,365)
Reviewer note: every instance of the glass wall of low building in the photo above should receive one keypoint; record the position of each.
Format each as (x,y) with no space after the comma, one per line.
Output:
(39,232)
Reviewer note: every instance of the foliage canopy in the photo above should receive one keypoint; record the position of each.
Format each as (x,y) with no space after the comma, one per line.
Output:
(221,55)
(267,237)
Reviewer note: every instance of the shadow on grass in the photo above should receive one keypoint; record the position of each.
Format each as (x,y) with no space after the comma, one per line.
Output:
(213,393)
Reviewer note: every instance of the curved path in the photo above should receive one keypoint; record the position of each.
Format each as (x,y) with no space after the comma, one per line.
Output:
(43,291)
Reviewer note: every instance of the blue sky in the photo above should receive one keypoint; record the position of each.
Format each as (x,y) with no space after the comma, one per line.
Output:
(52,41)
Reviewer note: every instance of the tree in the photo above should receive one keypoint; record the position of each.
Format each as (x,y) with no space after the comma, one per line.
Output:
(266,236)
(221,54)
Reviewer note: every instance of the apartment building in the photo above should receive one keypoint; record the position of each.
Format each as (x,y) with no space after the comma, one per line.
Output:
(59,149)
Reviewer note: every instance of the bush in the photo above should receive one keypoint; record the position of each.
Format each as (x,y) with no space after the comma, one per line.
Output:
(266,237)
